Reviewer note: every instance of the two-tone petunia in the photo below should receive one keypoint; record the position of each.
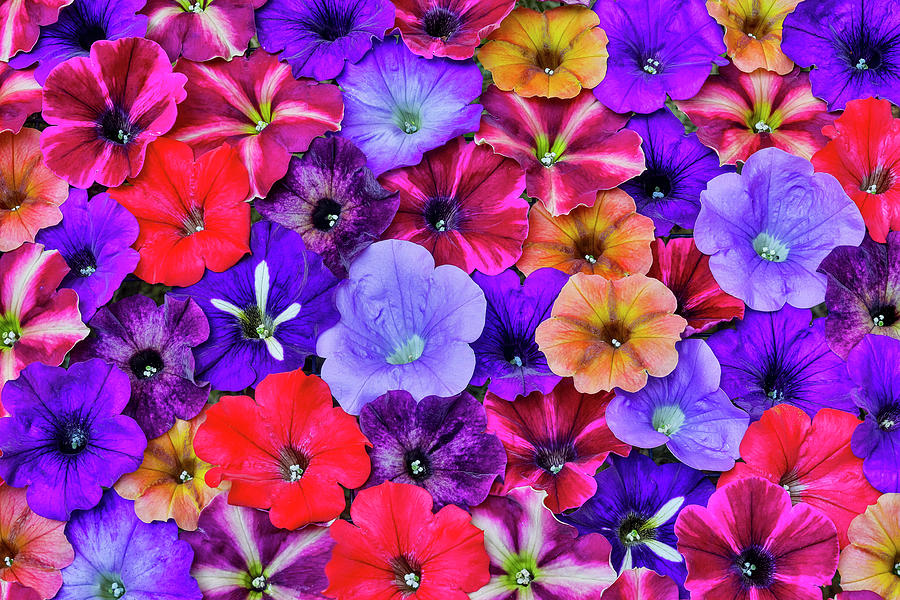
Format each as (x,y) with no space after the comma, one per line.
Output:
(753,32)
(201,29)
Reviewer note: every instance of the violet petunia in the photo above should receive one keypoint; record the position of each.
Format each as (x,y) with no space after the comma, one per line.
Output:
(767,229)
(685,410)
(404,325)
(153,345)
(438,444)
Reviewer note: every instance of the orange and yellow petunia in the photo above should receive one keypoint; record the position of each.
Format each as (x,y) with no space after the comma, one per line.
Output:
(753,32)
(872,560)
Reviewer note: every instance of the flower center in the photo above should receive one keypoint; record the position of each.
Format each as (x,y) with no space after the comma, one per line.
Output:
(440,22)
(650,65)
(8,561)
(326,214)
(408,121)
(82,262)
(791,483)
(667,420)
(408,351)
(884,316)
(520,571)
(897,566)
(633,530)
(407,574)
(185,477)
(72,436)
(770,248)
(878,181)
(553,455)
(756,566)
(116,127)
(8,338)
(88,34)
(442,214)
(615,334)
(548,60)
(193,223)
(417,465)
(146,363)
(115,589)
(259,583)
(888,418)
(292,464)
(12,200)
(762,127)
(655,185)
(331,20)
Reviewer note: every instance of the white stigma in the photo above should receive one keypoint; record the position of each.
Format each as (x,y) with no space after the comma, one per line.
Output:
(411,580)
(762,127)
(416,467)
(516,361)
(259,583)
(8,561)
(332,219)
(555,469)
(776,395)
(548,159)
(750,35)
(87,271)
(9,338)
(616,343)
(887,424)
(897,569)
(195,8)
(185,477)
(149,371)
(198,228)
(410,127)
(260,125)
(590,258)
(524,577)
(632,536)
(657,193)
(296,472)
(441,225)
(872,189)
(769,254)
(747,569)
(664,429)
(116,589)
(878,321)
(16,207)
(651,66)
(549,71)
(123,137)
(861,65)
(77,440)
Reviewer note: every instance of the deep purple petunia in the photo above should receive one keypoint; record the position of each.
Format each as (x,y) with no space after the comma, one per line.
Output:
(874,366)
(404,325)
(398,106)
(778,358)
(118,556)
(66,438)
(506,353)
(685,410)
(767,229)
(855,47)
(656,47)
(80,24)
(318,36)
(153,345)
(678,169)
(332,200)
(240,555)
(635,508)
(438,444)
(265,312)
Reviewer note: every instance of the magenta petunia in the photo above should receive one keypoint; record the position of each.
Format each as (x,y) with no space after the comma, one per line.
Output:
(200,29)
(20,22)
(20,95)
(451,28)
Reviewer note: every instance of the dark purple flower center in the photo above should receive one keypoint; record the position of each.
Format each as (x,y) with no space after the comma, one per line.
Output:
(292,464)
(442,214)
(407,573)
(440,22)
(865,50)
(888,418)
(80,25)
(552,456)
(648,62)
(115,126)
(418,466)
(884,316)
(72,436)
(330,20)
(82,262)
(91,33)
(517,351)
(326,214)
(146,363)
(780,382)
(655,184)
(755,566)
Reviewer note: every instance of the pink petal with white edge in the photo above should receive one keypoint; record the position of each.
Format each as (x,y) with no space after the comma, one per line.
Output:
(20,22)
(20,96)
(215,29)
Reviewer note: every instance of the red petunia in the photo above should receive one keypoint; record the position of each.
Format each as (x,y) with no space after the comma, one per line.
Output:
(397,549)
(286,451)
(20,96)
(192,215)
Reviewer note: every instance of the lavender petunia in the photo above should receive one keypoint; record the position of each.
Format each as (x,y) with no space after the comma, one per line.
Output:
(678,169)
(685,410)
(153,345)
(265,313)
(778,358)
(506,353)
(240,555)
(95,239)
(318,36)
(404,325)
(118,556)
(66,438)
(398,106)
(332,200)
(438,444)
(767,229)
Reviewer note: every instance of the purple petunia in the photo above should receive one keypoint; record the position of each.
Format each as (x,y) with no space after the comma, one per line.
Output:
(439,444)
(767,229)
(66,438)
(404,325)
(685,410)
(153,345)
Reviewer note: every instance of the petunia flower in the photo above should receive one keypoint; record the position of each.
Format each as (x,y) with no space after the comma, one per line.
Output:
(105,108)
(30,194)
(642,584)
(265,312)
(507,357)
(316,37)
(152,344)
(779,358)
(858,595)
(753,32)
(438,444)
(534,556)
(610,334)
(398,548)
(95,239)
(862,295)
(404,325)
(685,410)
(656,48)
(870,561)
(857,55)
(678,169)
(66,438)
(255,105)
(685,271)
(201,30)
(553,54)
(192,215)
(32,549)
(399,105)
(570,149)
(118,556)
(170,483)
(14,591)
(738,113)
(80,24)
(463,203)
(635,507)
(286,451)
(20,96)
(554,442)
(451,28)
(20,23)
(767,229)
(37,323)
(607,238)
(749,542)
(239,555)
(864,156)
(811,459)
(874,367)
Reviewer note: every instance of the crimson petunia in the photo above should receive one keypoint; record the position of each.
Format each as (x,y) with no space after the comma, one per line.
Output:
(20,22)
(451,28)
(20,96)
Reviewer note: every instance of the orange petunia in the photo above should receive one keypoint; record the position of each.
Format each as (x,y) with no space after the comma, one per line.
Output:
(753,32)
(870,561)
(608,238)
(170,483)
(608,334)
(552,54)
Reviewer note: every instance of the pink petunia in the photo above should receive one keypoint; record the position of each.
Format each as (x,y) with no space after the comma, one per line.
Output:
(200,29)
(20,96)
(453,29)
